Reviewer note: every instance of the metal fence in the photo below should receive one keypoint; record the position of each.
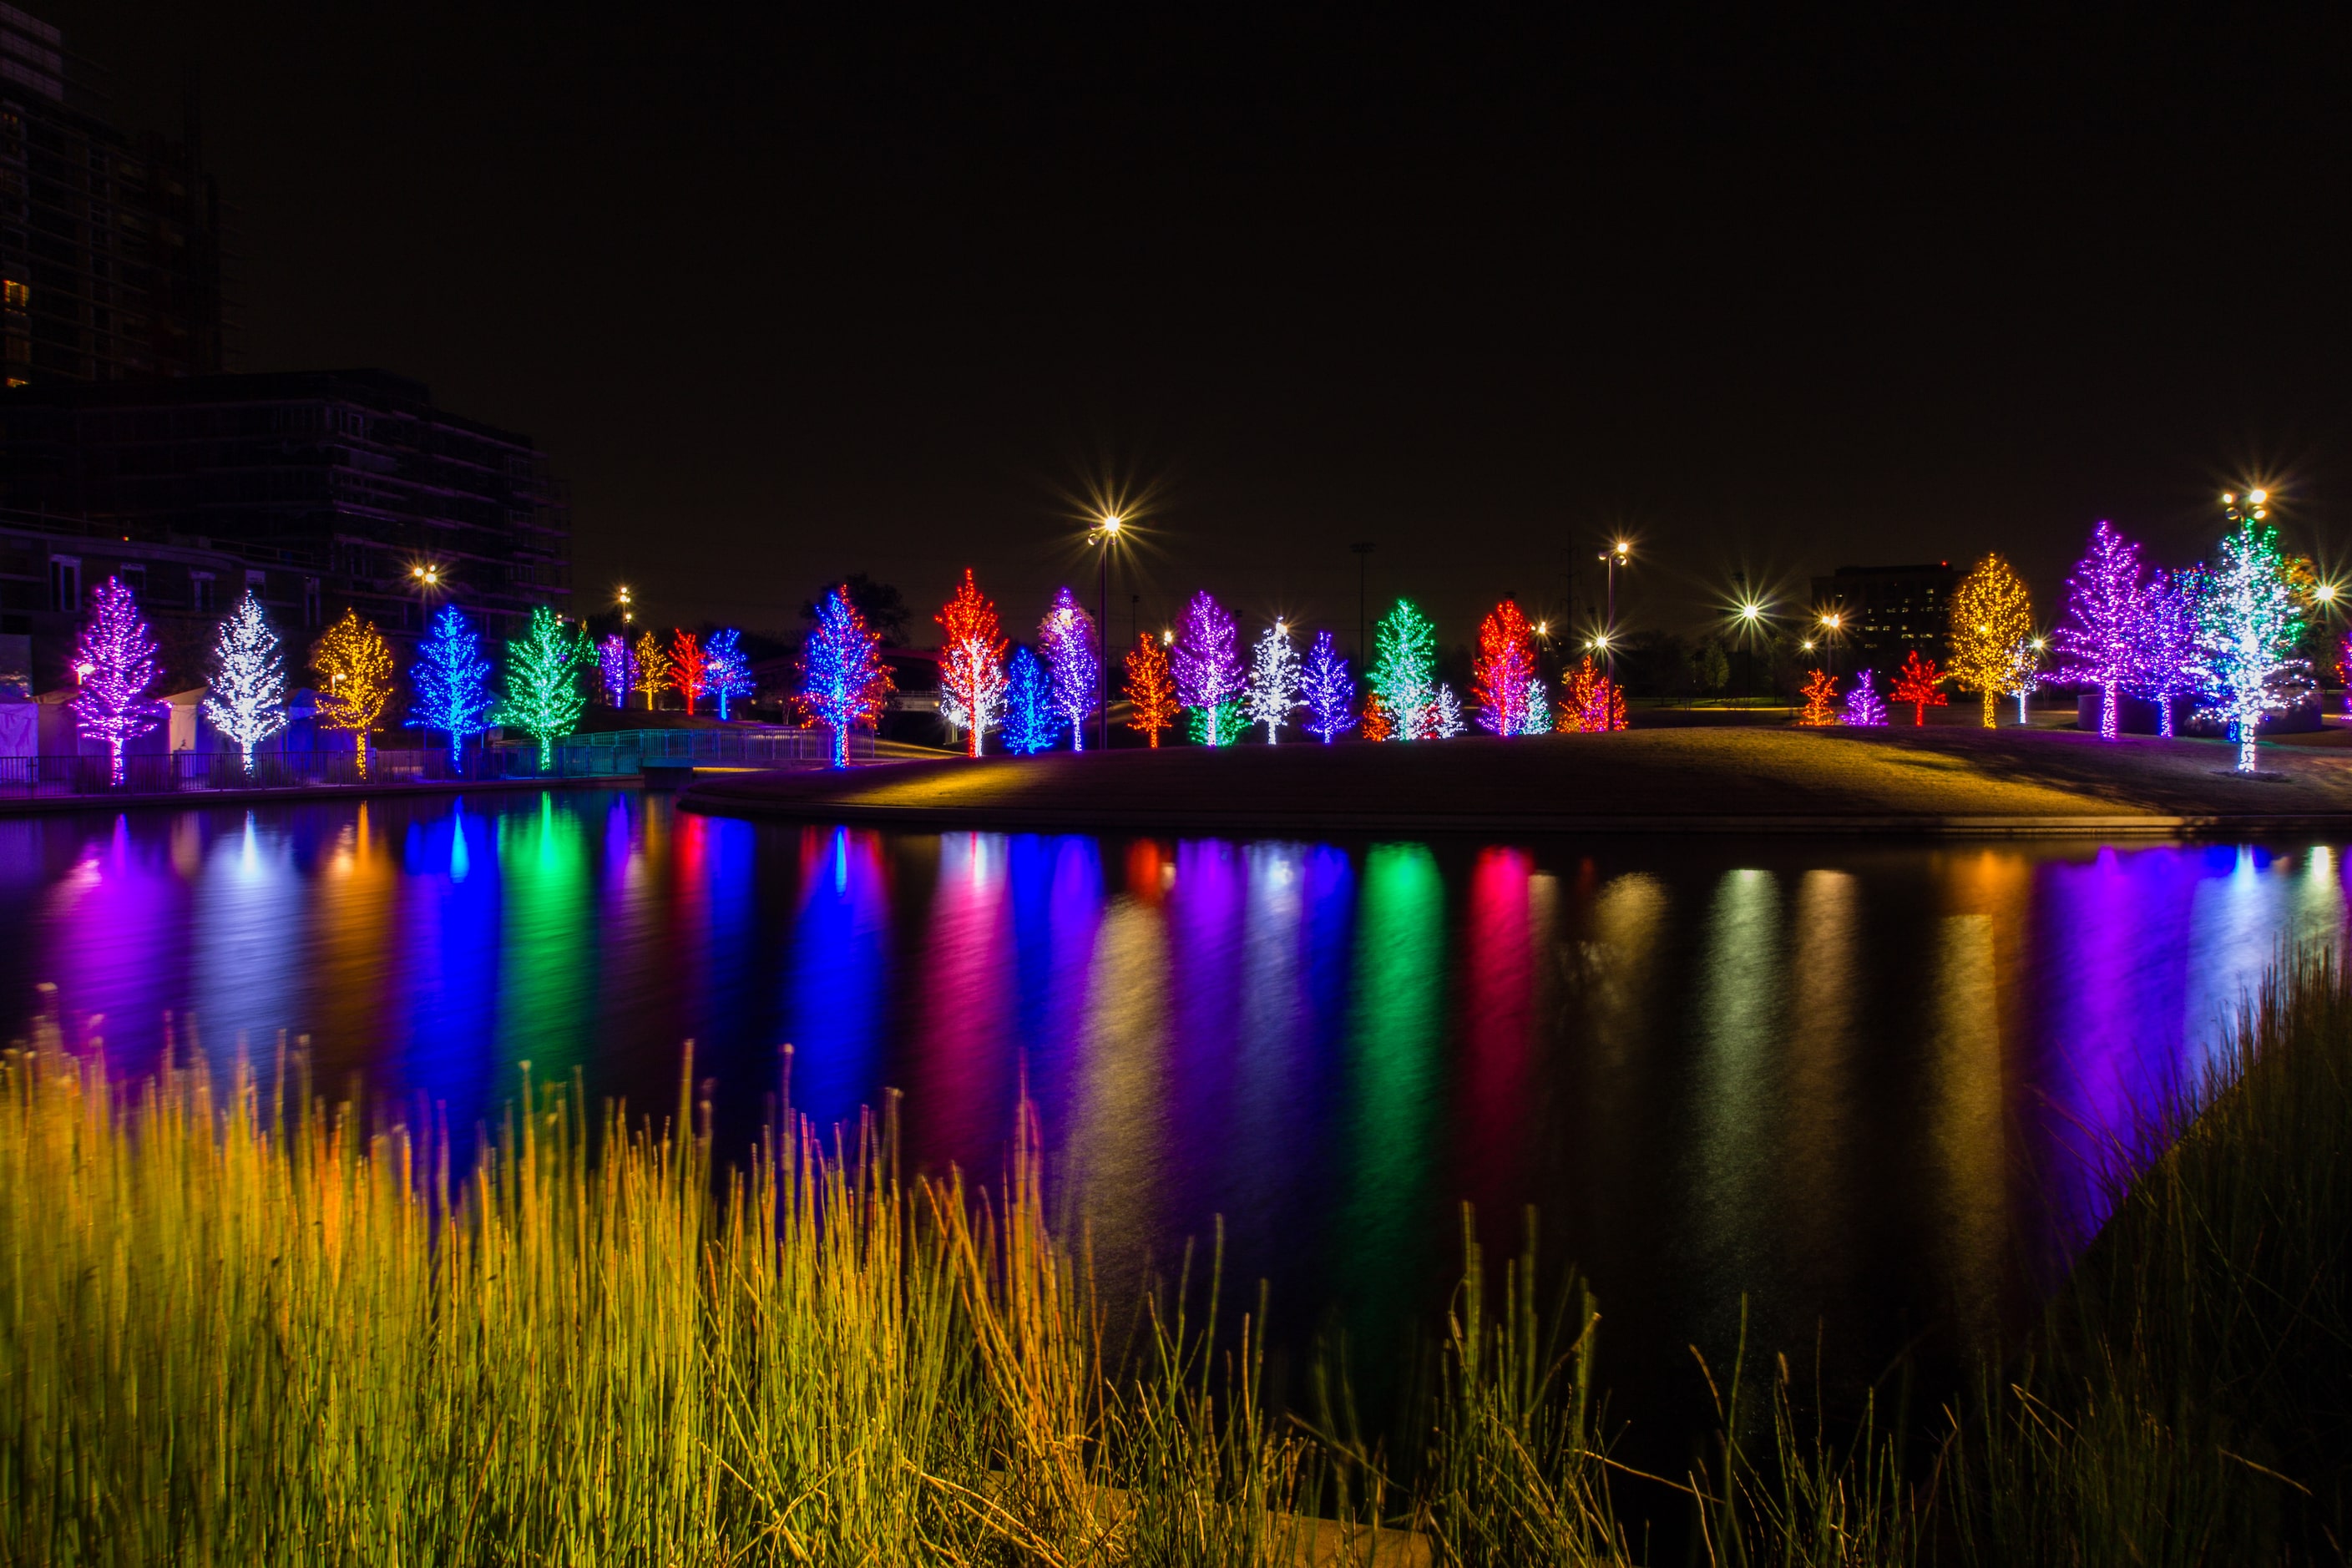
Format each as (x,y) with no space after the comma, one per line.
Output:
(618,755)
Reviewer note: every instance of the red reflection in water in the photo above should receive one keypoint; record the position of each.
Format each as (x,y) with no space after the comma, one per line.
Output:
(960,1078)
(1498,974)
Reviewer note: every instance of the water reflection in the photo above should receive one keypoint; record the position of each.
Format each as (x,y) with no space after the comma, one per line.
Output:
(1854,1084)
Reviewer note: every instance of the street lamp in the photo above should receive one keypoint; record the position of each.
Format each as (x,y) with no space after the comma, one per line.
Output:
(1106,532)
(1832,622)
(1619,553)
(1751,623)
(2254,504)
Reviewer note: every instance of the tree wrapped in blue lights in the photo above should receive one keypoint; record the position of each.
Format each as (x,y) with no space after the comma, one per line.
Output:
(1028,723)
(115,661)
(843,682)
(616,667)
(246,697)
(1206,659)
(1329,689)
(1405,670)
(1863,707)
(1272,692)
(452,682)
(727,669)
(2106,620)
(543,680)
(2248,627)
(1067,637)
(2169,660)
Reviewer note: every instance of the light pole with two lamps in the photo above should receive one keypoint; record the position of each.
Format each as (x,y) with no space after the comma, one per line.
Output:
(1619,553)
(1105,532)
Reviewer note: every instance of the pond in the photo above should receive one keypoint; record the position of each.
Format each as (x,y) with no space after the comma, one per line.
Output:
(1865,1086)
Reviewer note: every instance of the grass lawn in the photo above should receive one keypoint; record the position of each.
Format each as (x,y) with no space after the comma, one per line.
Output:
(1741,778)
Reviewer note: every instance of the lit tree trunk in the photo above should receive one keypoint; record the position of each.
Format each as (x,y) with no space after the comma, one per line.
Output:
(546,752)
(247,746)
(2164,713)
(114,752)
(2110,718)
(971,742)
(2246,745)
(2021,710)
(841,745)
(1991,698)
(359,745)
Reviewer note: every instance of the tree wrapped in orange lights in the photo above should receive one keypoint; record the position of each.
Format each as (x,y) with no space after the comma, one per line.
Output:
(1503,678)
(354,666)
(1376,724)
(1590,703)
(1820,700)
(971,663)
(653,669)
(689,666)
(1150,689)
(1920,684)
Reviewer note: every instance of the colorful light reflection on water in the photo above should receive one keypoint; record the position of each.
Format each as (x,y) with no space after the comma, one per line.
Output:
(1864,1086)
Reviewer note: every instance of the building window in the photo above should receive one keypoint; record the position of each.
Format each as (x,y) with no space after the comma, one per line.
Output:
(310,601)
(65,584)
(200,592)
(15,295)
(133,574)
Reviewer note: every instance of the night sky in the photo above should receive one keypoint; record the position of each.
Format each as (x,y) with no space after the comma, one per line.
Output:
(782,304)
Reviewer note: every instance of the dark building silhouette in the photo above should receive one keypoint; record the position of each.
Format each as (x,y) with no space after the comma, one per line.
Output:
(1887,611)
(110,243)
(332,489)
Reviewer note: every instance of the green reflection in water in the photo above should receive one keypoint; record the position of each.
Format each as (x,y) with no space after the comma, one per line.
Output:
(1392,1060)
(546,972)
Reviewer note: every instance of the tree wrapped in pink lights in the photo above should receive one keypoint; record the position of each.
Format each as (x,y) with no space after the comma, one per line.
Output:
(2106,620)
(2168,663)
(115,660)
(1864,709)
(1329,689)
(1067,637)
(843,682)
(1206,659)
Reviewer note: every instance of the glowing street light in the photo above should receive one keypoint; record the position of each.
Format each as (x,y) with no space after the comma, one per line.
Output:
(628,614)
(1619,553)
(2254,504)
(1105,530)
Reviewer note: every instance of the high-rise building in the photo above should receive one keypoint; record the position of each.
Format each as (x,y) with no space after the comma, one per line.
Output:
(327,490)
(1887,611)
(110,243)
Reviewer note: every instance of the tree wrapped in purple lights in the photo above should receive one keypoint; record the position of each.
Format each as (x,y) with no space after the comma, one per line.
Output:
(1206,659)
(1273,681)
(1329,689)
(726,668)
(2247,628)
(2168,661)
(2107,622)
(1067,637)
(616,669)
(1864,709)
(843,682)
(1028,722)
(115,660)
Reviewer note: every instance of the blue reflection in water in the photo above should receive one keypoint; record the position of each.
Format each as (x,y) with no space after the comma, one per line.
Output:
(840,975)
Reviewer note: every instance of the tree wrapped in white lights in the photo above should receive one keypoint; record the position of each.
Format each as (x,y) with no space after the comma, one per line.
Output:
(2248,627)
(1273,691)
(245,699)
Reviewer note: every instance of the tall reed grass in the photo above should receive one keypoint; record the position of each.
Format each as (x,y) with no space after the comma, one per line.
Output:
(237,1327)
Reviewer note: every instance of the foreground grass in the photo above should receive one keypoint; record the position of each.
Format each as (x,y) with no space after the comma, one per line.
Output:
(232,1335)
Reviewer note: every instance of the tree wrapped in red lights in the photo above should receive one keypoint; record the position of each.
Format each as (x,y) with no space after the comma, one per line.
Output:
(116,661)
(1502,679)
(843,683)
(1151,690)
(972,660)
(1590,703)
(689,666)
(1820,700)
(1920,684)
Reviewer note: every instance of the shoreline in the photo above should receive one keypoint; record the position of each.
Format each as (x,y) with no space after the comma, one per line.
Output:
(304,794)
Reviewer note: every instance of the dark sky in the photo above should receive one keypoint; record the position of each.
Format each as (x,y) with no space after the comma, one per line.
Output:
(829,289)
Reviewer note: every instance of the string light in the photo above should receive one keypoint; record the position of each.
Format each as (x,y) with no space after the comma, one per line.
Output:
(1067,637)
(1273,691)
(1820,700)
(543,695)
(2106,620)
(843,682)
(1330,690)
(115,660)
(1504,670)
(1990,614)
(1150,693)
(689,666)
(452,682)
(246,697)
(1404,670)
(355,669)
(1864,708)
(2248,627)
(618,668)
(1028,706)
(730,669)
(653,669)
(1920,684)
(1207,661)
(971,663)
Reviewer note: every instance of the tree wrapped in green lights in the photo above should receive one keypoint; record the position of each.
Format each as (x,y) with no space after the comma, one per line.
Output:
(1405,670)
(543,695)
(2248,626)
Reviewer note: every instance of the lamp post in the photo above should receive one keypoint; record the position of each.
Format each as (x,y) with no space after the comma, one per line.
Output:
(427,578)
(1106,532)
(1619,553)
(1831,622)
(628,614)
(1751,622)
